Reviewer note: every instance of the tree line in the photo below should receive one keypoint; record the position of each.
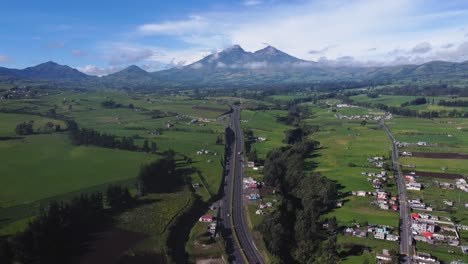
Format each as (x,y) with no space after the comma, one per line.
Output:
(294,231)
(86,136)
(456,103)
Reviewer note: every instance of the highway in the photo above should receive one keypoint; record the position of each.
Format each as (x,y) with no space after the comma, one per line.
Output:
(405,232)
(239,243)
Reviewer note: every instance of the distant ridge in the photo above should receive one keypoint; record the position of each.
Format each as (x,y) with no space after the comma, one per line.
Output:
(234,66)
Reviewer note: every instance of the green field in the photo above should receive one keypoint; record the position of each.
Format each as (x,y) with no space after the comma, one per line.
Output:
(263,124)
(44,167)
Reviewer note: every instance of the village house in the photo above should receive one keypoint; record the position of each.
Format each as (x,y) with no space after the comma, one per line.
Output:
(169,125)
(384,256)
(206,218)
(379,236)
(422,227)
(250,164)
(212,228)
(392,238)
(421,257)
(415,186)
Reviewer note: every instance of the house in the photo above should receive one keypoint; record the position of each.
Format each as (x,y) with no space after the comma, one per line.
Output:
(361,193)
(253,185)
(379,236)
(422,227)
(392,238)
(415,186)
(212,228)
(169,125)
(250,164)
(384,206)
(360,233)
(422,143)
(394,207)
(384,256)
(196,185)
(349,230)
(261,138)
(425,257)
(259,212)
(206,218)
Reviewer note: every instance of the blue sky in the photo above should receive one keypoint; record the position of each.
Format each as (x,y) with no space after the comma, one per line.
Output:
(100,37)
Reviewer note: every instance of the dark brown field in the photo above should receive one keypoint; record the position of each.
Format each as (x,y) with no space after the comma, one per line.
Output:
(431,155)
(435,174)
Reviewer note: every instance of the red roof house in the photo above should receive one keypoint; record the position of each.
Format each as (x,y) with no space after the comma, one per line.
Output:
(206,218)
(413,215)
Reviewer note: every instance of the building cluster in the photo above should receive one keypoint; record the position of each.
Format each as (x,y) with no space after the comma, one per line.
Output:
(205,152)
(212,223)
(375,231)
(428,228)
(411,183)
(22,92)
(424,258)
(408,144)
(377,161)
(358,117)
(461,184)
(417,204)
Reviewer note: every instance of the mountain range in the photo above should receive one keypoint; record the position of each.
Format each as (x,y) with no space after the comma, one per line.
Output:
(237,67)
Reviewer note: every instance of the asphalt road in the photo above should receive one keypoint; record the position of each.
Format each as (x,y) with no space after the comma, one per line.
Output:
(405,232)
(239,242)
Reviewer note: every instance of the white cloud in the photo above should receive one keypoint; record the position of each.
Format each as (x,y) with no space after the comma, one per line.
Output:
(192,25)
(99,71)
(395,27)
(4,59)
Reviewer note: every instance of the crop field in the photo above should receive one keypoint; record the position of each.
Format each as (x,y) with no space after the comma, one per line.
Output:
(455,166)
(446,135)
(397,100)
(9,122)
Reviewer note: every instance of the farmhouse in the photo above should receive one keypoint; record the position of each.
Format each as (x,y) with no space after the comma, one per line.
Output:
(206,218)
(379,236)
(384,256)
(422,257)
(415,186)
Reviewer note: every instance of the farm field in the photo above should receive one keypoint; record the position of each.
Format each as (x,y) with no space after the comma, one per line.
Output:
(443,136)
(56,170)
(447,135)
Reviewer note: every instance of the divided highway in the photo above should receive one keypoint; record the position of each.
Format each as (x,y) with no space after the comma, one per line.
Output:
(239,242)
(405,232)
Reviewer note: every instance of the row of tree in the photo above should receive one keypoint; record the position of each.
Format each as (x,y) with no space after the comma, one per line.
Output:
(92,137)
(417,101)
(294,231)
(456,103)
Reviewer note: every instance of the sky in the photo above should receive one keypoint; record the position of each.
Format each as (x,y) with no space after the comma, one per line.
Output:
(101,37)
